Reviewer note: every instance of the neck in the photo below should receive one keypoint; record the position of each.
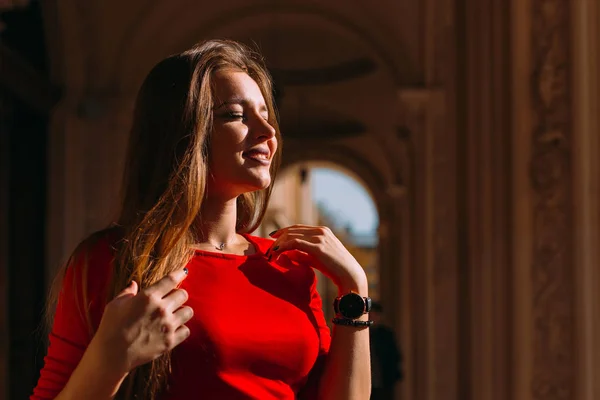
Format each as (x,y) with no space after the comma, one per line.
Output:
(218,220)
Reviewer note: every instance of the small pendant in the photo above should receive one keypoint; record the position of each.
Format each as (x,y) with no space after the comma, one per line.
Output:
(220,247)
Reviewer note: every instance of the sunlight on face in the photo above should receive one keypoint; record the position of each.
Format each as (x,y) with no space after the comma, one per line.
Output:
(242,141)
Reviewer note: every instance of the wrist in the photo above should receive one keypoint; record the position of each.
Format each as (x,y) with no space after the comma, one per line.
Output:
(96,377)
(109,361)
(356,282)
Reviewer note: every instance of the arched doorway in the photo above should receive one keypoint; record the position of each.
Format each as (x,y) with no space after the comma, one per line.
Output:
(327,194)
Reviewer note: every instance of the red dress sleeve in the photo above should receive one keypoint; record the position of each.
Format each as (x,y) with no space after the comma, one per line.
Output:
(71,331)
(316,305)
(310,389)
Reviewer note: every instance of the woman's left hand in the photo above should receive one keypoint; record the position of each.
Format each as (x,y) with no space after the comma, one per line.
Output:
(319,247)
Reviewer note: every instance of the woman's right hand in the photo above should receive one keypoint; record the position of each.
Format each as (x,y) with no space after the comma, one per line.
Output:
(139,326)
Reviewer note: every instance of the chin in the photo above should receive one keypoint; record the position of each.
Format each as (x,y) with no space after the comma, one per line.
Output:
(259,183)
(262,185)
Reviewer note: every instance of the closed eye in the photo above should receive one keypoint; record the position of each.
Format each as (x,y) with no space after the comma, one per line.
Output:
(233,116)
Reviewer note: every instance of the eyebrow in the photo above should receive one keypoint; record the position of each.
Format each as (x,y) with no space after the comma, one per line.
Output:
(241,101)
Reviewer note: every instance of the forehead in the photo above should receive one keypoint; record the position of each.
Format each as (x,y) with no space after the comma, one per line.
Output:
(230,84)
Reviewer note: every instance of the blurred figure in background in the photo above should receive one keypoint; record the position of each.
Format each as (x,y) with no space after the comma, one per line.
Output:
(386,358)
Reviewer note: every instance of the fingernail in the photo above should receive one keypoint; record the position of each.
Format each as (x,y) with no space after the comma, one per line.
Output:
(275,248)
(185,270)
(272,233)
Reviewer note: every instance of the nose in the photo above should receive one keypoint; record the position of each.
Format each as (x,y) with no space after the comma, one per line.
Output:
(262,128)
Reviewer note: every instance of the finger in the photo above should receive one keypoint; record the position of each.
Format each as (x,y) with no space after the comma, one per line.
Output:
(275,244)
(183,315)
(303,243)
(296,228)
(301,257)
(182,333)
(313,234)
(168,283)
(175,299)
(270,247)
(130,291)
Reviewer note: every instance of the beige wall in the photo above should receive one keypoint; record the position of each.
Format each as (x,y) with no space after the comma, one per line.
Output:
(292,198)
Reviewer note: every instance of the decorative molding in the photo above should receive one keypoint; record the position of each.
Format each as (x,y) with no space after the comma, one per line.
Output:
(553,375)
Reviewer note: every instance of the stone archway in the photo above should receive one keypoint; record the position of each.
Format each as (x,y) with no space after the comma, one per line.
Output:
(298,198)
(395,241)
(364,175)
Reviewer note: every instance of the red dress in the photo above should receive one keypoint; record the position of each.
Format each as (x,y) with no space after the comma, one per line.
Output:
(258,329)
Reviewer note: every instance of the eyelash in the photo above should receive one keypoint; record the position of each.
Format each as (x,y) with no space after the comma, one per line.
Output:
(235,115)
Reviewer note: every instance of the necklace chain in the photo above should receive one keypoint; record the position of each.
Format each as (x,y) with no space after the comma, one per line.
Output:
(221,245)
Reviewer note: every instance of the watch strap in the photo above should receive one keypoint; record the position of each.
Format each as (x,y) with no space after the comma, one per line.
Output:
(351,322)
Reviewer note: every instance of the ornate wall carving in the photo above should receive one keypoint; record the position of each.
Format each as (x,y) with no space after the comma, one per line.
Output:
(551,184)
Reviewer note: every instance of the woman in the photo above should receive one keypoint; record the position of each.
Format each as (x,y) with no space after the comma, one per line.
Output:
(199,309)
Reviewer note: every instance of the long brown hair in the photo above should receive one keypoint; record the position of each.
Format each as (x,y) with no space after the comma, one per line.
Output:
(166,172)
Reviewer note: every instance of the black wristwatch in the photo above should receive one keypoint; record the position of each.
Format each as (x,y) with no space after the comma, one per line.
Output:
(351,305)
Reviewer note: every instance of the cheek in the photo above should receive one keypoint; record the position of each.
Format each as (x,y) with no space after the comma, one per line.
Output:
(221,159)
(274,145)
(226,146)
(224,161)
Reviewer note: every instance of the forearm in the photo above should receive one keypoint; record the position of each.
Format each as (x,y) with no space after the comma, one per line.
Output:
(94,378)
(347,372)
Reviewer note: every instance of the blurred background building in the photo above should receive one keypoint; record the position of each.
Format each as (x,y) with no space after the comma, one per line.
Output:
(472,124)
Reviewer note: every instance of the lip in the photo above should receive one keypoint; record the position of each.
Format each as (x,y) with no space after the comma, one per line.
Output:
(259,156)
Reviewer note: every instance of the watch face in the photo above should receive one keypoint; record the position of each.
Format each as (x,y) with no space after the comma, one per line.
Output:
(352,305)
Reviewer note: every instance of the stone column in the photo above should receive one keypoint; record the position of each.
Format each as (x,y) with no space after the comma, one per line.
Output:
(532,187)
(484,182)
(545,183)
(586,167)
(87,142)
(394,250)
(431,279)
(4,245)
